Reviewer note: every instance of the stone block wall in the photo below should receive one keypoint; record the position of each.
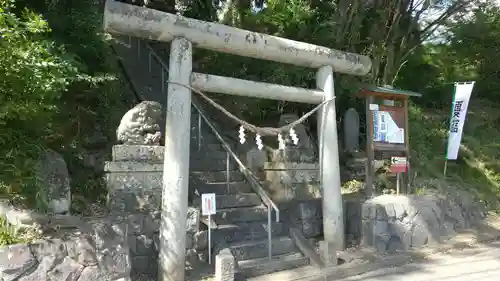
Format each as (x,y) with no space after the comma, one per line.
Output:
(308,216)
(290,174)
(134,180)
(97,256)
(143,240)
(292,181)
(397,223)
(134,186)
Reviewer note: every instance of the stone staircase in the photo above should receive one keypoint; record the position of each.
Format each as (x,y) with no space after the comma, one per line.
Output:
(241,221)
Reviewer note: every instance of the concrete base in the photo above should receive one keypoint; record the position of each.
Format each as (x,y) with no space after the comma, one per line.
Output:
(224,266)
(328,252)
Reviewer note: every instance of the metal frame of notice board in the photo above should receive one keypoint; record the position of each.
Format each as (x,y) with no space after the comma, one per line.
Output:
(391,137)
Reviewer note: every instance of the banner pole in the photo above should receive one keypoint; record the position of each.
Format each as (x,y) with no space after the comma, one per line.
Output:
(445,167)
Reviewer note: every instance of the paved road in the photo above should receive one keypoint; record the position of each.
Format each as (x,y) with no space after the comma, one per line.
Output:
(482,264)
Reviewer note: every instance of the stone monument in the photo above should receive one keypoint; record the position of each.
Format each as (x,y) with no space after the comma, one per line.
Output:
(304,150)
(351,130)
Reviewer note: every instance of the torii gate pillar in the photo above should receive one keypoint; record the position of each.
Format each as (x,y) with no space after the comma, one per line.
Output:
(333,218)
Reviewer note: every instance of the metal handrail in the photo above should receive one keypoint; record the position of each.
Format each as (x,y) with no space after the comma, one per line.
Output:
(251,178)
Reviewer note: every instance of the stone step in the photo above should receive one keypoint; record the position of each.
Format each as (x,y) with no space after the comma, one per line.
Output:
(262,266)
(231,233)
(201,182)
(233,200)
(207,146)
(195,154)
(216,167)
(219,188)
(209,164)
(215,176)
(255,249)
(245,214)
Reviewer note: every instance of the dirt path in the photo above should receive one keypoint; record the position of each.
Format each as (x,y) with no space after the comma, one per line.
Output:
(478,263)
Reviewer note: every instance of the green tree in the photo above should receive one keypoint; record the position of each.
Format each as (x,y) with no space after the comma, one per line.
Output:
(476,43)
(34,72)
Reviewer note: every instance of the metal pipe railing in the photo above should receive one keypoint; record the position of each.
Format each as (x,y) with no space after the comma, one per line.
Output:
(251,178)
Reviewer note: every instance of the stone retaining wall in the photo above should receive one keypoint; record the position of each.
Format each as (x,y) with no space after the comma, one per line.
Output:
(397,223)
(134,180)
(101,256)
(143,240)
(308,216)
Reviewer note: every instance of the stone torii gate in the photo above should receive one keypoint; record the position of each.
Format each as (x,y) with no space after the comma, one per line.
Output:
(125,19)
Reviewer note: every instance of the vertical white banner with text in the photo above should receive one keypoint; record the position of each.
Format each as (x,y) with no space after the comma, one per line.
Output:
(460,103)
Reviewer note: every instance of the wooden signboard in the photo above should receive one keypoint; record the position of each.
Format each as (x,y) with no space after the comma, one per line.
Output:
(387,127)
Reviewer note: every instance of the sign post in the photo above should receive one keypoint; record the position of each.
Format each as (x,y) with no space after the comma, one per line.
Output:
(398,165)
(208,209)
(387,130)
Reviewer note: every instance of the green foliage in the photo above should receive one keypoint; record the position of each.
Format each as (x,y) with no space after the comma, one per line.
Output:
(34,72)
(477,166)
(10,235)
(476,41)
(58,89)
(468,54)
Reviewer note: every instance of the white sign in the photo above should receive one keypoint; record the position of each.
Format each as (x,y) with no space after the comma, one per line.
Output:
(208,209)
(398,160)
(460,103)
(385,129)
(373,106)
(208,204)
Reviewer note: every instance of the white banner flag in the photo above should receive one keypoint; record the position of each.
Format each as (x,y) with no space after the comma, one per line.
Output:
(460,103)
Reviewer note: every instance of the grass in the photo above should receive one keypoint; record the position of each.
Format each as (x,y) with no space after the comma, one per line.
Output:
(10,235)
(478,165)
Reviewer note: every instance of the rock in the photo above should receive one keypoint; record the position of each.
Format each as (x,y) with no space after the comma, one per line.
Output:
(395,245)
(256,159)
(112,249)
(53,175)
(82,250)
(305,144)
(53,248)
(193,220)
(92,273)
(77,257)
(415,221)
(67,270)
(141,125)
(15,260)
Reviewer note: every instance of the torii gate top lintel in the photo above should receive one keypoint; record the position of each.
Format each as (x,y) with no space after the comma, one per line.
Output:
(137,21)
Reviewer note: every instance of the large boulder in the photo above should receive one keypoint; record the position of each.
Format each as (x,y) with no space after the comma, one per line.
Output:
(52,174)
(141,125)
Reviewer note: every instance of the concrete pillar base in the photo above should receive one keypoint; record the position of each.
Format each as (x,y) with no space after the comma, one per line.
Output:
(328,253)
(224,266)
